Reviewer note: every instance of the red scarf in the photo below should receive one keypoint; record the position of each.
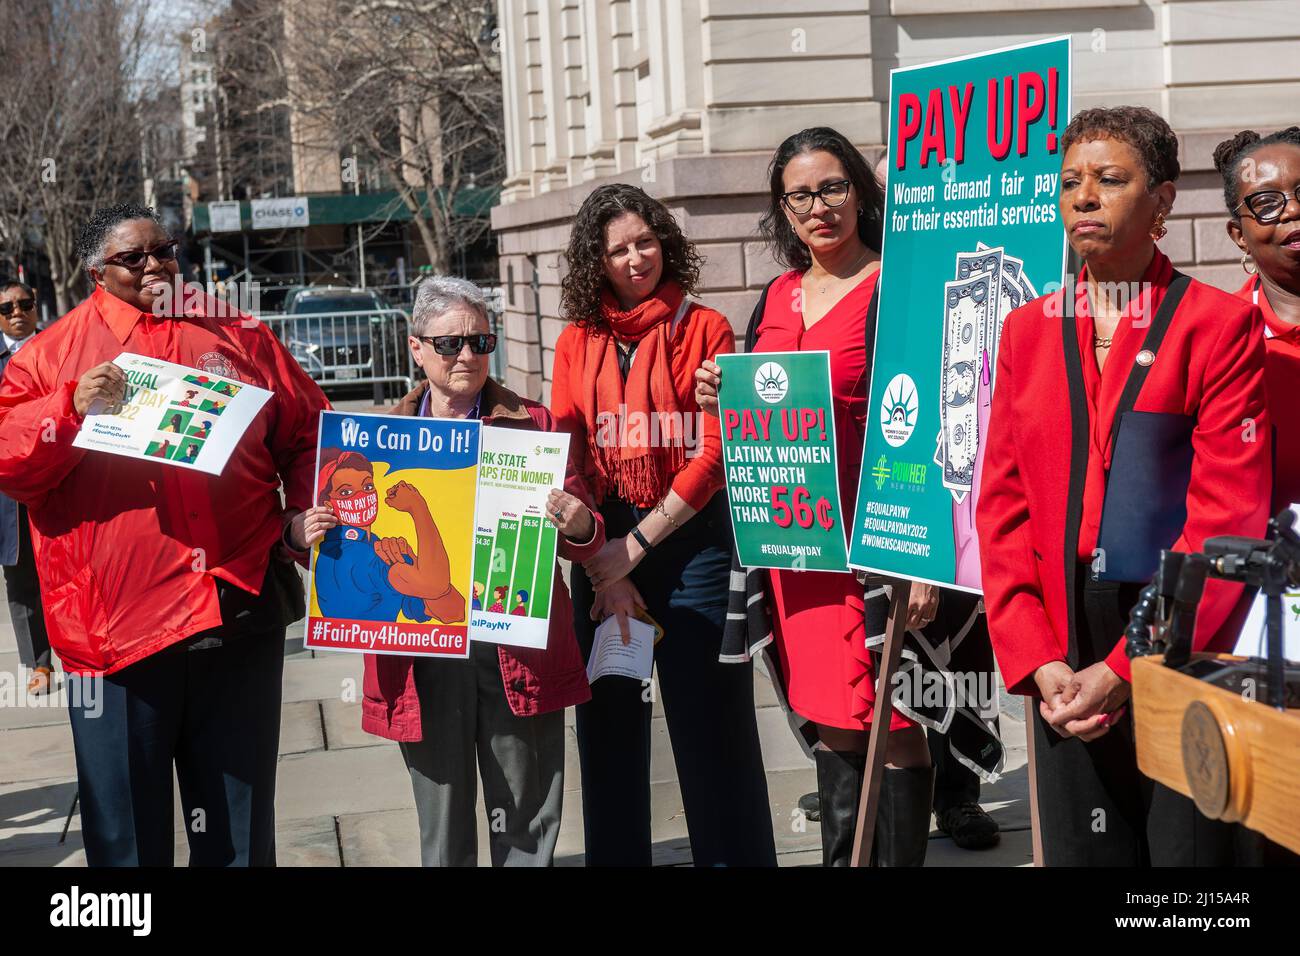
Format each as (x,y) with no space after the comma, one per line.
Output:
(635,457)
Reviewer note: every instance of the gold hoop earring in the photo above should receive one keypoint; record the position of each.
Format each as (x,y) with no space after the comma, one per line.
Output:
(1247,266)
(1158,230)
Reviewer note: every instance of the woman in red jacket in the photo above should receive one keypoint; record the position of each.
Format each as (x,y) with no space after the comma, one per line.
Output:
(1129,416)
(824,221)
(1261,185)
(622,386)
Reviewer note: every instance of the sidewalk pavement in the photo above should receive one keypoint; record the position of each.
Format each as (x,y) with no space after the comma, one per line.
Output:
(344,798)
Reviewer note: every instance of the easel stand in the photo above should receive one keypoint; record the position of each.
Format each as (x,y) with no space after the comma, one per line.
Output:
(878,741)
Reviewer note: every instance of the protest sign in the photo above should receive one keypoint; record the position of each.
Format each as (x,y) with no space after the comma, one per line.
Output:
(173,414)
(972,231)
(394,576)
(779,456)
(514,541)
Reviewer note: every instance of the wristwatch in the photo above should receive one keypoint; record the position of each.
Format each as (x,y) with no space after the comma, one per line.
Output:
(640,539)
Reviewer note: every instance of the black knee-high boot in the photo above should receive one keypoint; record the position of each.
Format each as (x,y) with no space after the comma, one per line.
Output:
(903,819)
(839,787)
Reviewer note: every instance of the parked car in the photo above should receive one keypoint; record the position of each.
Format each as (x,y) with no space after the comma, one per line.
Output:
(341,335)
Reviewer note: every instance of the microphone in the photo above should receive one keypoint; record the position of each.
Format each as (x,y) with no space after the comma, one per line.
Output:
(1187,595)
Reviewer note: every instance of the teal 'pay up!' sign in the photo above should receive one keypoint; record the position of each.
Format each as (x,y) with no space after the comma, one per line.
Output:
(972,232)
(778,446)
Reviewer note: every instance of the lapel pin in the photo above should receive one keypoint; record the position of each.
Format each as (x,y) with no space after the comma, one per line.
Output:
(1146,357)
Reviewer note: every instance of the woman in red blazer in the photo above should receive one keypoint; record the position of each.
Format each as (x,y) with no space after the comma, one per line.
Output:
(1129,416)
(1261,185)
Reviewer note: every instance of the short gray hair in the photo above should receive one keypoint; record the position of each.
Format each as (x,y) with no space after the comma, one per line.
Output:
(437,294)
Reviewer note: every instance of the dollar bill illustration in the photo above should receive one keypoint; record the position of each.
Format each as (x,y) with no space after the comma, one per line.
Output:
(968,307)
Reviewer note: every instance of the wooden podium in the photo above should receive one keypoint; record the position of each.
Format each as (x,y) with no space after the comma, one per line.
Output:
(1239,759)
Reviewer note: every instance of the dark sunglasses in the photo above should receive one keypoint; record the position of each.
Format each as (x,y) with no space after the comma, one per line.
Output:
(481,344)
(23,305)
(1267,206)
(135,259)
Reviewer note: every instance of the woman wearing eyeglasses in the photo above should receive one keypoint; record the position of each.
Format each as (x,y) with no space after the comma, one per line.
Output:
(1261,185)
(498,715)
(1129,417)
(622,387)
(824,222)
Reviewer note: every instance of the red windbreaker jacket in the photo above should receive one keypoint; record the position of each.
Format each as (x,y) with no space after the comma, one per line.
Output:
(127,551)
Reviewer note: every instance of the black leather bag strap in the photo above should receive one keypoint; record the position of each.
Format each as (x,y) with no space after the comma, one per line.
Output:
(873,312)
(756,318)
(1164,317)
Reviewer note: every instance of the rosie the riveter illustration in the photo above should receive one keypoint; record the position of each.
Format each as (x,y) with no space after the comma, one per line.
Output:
(363,576)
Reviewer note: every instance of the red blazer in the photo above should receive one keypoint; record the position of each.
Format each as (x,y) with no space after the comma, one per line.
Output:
(1282,377)
(1210,366)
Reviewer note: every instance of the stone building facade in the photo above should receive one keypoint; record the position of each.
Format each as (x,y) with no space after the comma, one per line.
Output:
(688,98)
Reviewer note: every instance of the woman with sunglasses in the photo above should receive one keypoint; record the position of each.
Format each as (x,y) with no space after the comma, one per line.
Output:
(1261,185)
(169,588)
(1129,417)
(22,587)
(500,713)
(824,222)
(622,387)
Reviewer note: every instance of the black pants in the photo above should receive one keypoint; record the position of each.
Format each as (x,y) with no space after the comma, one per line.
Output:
(23,591)
(708,706)
(215,712)
(1095,807)
(211,705)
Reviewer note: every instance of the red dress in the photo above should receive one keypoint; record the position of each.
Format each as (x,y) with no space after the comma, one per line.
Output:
(1281,379)
(817,616)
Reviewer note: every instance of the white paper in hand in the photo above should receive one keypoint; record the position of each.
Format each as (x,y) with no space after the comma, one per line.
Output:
(609,655)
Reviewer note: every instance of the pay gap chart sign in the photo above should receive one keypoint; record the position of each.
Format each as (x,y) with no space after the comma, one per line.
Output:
(778,447)
(394,576)
(972,231)
(514,541)
(173,414)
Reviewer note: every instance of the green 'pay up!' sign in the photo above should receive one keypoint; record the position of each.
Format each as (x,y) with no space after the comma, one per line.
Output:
(778,447)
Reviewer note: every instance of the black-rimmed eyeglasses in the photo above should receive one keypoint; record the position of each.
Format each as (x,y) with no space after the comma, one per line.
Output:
(800,201)
(482,343)
(1266,206)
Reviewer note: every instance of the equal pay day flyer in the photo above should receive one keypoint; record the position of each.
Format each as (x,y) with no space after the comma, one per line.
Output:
(394,576)
(173,414)
(514,541)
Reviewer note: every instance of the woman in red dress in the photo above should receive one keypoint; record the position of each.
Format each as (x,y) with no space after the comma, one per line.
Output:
(1129,416)
(1261,185)
(824,222)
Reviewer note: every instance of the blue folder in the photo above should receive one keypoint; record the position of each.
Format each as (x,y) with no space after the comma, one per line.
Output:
(1146,494)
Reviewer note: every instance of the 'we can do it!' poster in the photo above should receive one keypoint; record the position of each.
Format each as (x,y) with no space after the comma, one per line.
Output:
(394,577)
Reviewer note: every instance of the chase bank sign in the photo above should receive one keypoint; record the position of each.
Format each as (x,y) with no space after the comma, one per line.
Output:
(289,212)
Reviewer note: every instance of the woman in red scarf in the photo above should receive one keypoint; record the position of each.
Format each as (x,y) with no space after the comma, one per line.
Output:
(1261,185)
(622,385)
